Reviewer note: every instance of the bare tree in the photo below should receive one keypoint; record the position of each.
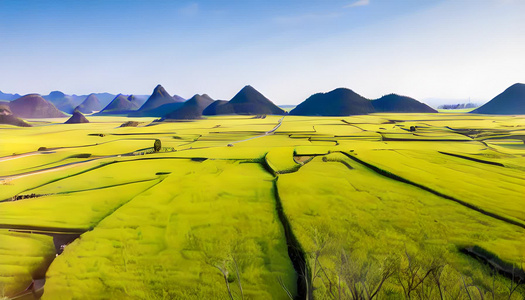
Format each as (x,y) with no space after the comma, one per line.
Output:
(321,239)
(285,288)
(351,277)
(388,269)
(364,280)
(515,282)
(436,277)
(415,274)
(223,258)
(238,275)
(157,145)
(466,287)
(224,271)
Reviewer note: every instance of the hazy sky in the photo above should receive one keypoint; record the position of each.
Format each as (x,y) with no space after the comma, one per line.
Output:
(287,49)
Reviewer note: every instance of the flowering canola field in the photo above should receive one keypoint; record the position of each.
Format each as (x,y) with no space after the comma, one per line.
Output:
(381,206)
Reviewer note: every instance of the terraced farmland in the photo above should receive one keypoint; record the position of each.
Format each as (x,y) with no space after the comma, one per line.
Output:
(382,206)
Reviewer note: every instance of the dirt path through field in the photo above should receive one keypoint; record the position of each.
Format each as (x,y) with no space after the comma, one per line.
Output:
(262,135)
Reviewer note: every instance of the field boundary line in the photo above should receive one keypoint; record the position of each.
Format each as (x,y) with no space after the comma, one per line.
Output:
(295,252)
(404,180)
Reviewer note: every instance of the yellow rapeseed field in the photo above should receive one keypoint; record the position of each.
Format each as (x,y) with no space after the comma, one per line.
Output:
(381,206)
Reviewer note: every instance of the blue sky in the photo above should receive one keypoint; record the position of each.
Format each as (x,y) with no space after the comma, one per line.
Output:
(288,49)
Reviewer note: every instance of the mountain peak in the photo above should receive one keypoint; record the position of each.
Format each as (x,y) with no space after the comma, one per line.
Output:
(248,101)
(249,94)
(338,102)
(89,105)
(56,94)
(394,103)
(161,91)
(76,118)
(343,91)
(158,98)
(248,88)
(516,86)
(119,104)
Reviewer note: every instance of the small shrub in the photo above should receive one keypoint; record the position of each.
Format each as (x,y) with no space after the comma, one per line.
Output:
(157,145)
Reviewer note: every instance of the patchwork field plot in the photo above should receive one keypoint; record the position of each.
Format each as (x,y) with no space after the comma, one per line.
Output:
(382,206)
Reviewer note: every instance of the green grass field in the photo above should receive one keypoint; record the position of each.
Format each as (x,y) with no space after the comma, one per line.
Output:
(382,206)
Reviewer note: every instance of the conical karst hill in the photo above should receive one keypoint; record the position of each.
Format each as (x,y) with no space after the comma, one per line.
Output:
(34,106)
(89,105)
(394,103)
(248,101)
(7,117)
(119,105)
(77,118)
(339,102)
(192,109)
(510,102)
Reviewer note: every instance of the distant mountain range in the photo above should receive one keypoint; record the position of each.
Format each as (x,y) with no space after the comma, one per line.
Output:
(62,101)
(248,101)
(70,102)
(8,97)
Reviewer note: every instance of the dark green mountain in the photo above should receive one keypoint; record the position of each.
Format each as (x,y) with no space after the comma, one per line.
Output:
(191,109)
(158,98)
(510,102)
(400,104)
(339,102)
(218,107)
(247,101)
